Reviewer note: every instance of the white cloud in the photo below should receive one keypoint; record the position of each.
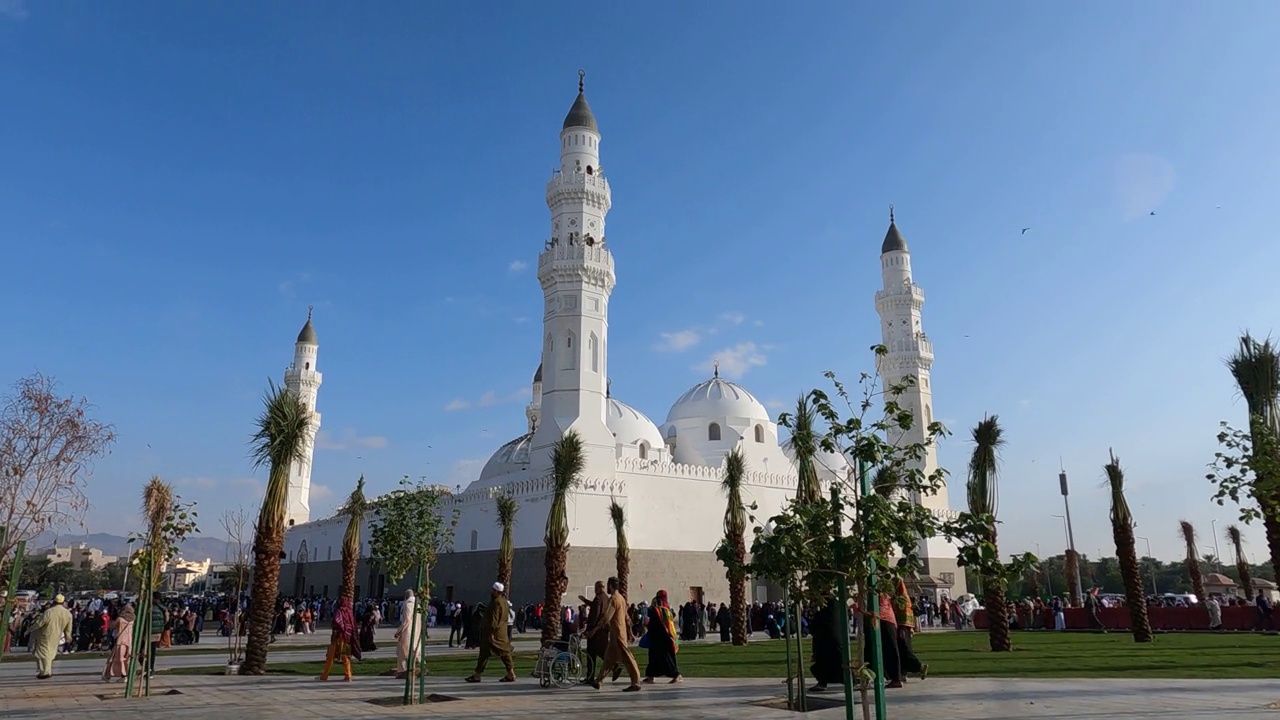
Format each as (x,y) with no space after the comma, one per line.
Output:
(775,404)
(320,493)
(1143,183)
(489,399)
(349,439)
(736,361)
(678,341)
(733,318)
(13,9)
(517,266)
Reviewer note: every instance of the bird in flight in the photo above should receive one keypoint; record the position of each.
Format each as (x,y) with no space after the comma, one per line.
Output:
(1153,212)
(1024,230)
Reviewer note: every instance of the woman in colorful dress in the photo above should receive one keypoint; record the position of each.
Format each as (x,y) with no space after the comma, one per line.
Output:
(344,642)
(118,663)
(662,641)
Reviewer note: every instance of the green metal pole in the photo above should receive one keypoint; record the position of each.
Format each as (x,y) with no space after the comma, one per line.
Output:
(872,611)
(421,607)
(804,693)
(409,661)
(10,597)
(842,600)
(791,695)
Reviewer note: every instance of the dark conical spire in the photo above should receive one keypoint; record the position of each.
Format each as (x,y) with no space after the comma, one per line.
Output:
(308,334)
(580,114)
(893,240)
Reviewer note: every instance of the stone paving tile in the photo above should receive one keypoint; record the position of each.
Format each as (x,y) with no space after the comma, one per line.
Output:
(271,698)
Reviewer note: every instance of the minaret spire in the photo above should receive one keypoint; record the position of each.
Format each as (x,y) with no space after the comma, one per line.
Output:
(582,76)
(890,213)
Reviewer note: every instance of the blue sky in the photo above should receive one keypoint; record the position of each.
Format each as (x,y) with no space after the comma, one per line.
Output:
(179,181)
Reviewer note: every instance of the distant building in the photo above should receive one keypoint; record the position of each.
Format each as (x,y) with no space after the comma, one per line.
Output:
(182,574)
(80,555)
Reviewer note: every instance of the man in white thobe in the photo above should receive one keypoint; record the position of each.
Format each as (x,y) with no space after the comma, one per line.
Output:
(408,627)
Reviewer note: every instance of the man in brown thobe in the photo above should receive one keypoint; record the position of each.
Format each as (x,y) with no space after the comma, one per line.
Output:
(613,622)
(494,641)
(597,643)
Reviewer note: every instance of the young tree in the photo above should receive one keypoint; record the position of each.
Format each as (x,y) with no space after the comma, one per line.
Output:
(235,523)
(507,509)
(355,510)
(1187,532)
(1236,539)
(280,440)
(976,530)
(1126,551)
(618,516)
(733,548)
(567,464)
(48,445)
(804,445)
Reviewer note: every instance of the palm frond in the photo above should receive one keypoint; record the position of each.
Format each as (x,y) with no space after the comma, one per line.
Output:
(281,438)
(1256,368)
(735,472)
(884,480)
(567,464)
(1187,532)
(507,509)
(1236,538)
(157,502)
(804,444)
(618,516)
(1120,514)
(983,491)
(354,509)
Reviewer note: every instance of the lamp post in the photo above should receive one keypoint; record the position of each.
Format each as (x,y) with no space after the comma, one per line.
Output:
(1048,576)
(1154,590)
(1217,558)
(1065,535)
(1071,540)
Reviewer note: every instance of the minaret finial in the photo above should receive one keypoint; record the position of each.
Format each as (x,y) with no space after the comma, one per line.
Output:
(582,76)
(309,309)
(608,387)
(891,213)
(715,367)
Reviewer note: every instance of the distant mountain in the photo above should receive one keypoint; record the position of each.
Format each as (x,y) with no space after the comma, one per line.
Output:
(197,548)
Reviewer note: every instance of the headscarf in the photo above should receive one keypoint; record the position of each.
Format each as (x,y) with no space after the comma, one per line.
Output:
(344,623)
(667,618)
(127,614)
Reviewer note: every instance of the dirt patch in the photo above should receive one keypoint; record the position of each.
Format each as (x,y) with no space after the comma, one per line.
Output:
(120,695)
(398,701)
(815,702)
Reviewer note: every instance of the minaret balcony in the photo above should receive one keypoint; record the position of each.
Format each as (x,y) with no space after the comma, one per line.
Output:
(562,261)
(906,289)
(577,181)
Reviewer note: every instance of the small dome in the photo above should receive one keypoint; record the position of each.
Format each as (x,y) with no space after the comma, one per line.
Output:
(629,426)
(308,333)
(1218,579)
(893,241)
(580,115)
(511,457)
(718,398)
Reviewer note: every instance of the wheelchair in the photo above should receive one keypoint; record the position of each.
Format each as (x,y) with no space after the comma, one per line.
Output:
(561,664)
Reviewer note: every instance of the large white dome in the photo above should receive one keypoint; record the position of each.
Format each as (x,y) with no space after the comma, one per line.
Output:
(629,426)
(511,457)
(718,398)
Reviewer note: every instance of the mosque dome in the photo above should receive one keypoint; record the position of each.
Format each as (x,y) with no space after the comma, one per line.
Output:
(893,240)
(308,333)
(629,426)
(717,398)
(511,457)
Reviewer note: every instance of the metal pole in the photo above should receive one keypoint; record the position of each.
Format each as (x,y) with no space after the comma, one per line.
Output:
(804,693)
(842,600)
(10,597)
(1154,590)
(1217,557)
(1071,538)
(791,695)
(423,604)
(873,609)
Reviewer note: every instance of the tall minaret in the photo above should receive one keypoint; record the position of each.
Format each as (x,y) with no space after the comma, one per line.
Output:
(303,378)
(575,269)
(899,305)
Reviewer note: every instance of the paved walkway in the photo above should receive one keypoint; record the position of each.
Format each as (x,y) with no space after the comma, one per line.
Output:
(218,698)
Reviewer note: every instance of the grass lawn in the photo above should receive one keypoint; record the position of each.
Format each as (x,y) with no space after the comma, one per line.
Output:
(963,654)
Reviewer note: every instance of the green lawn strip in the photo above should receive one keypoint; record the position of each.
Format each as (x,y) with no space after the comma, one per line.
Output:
(965,654)
(21,655)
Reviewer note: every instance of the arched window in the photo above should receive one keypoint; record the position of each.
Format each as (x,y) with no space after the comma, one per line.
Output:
(590,171)
(330,553)
(306,366)
(475,539)
(759,433)
(644,451)
(671,433)
(713,431)
(569,362)
(593,346)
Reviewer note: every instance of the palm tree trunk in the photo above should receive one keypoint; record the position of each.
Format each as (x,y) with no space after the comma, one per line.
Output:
(623,561)
(1271,524)
(557,581)
(997,611)
(738,596)
(267,547)
(1072,566)
(1197,581)
(1135,595)
(1246,580)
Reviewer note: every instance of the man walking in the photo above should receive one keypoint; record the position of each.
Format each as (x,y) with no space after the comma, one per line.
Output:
(493,638)
(52,629)
(614,622)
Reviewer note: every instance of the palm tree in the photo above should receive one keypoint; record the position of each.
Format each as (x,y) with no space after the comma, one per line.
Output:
(1071,566)
(1256,368)
(281,438)
(984,498)
(567,464)
(618,516)
(507,509)
(735,530)
(1188,532)
(1242,565)
(354,509)
(157,502)
(1126,551)
(804,443)
(884,480)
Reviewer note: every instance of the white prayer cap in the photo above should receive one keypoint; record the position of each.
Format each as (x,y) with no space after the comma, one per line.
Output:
(408,594)
(499,587)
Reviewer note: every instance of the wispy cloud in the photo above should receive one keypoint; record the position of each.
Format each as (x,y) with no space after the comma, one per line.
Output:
(489,399)
(517,266)
(775,404)
(736,361)
(677,341)
(733,318)
(288,289)
(349,439)
(13,9)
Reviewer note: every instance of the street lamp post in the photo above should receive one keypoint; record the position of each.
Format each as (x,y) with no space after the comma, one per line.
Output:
(1071,540)
(1217,558)
(1154,591)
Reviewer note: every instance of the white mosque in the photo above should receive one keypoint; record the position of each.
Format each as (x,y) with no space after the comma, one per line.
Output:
(666,476)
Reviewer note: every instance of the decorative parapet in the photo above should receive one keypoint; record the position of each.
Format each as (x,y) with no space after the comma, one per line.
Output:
(704,473)
(533,488)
